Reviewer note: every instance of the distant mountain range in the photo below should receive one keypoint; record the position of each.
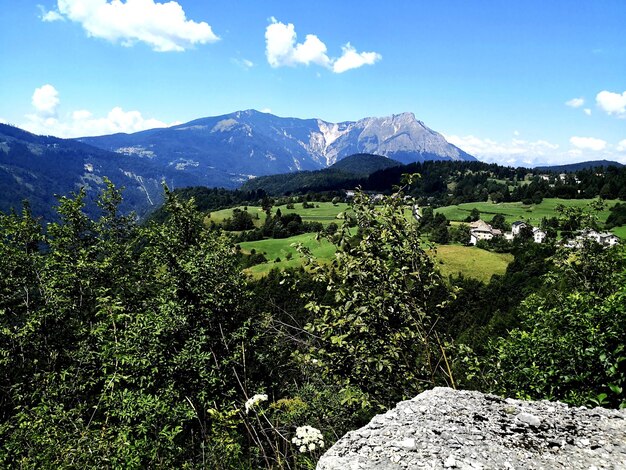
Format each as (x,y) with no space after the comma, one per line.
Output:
(227,150)
(36,168)
(223,151)
(579,166)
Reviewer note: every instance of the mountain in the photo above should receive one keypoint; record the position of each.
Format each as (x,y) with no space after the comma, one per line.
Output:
(227,150)
(572,167)
(347,173)
(221,151)
(37,168)
(364,164)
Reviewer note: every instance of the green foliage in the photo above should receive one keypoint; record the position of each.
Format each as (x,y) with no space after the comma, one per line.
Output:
(241,220)
(116,338)
(460,234)
(617,216)
(377,327)
(570,344)
(572,218)
(131,346)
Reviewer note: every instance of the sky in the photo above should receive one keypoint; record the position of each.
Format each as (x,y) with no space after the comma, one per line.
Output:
(513,82)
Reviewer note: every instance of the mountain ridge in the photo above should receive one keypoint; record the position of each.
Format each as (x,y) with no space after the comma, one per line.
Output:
(251,143)
(571,167)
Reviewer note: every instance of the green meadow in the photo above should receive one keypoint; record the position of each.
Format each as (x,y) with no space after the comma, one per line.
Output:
(323,212)
(452,259)
(471,261)
(273,248)
(513,211)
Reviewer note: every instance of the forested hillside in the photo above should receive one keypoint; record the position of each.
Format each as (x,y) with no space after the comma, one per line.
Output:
(448,183)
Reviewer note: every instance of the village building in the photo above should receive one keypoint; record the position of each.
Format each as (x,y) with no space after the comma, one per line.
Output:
(606,239)
(539,235)
(481,230)
(517,226)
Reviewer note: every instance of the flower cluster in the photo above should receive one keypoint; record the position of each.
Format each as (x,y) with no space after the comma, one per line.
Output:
(251,402)
(308,439)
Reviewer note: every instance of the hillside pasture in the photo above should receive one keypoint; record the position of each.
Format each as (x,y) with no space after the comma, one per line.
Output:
(513,211)
(471,261)
(274,248)
(323,212)
(451,259)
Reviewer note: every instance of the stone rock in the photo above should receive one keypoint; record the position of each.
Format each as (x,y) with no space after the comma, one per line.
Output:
(444,428)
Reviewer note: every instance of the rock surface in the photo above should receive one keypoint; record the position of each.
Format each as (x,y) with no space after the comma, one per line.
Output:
(444,428)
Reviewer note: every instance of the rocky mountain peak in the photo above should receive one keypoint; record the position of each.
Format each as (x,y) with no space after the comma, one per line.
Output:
(251,143)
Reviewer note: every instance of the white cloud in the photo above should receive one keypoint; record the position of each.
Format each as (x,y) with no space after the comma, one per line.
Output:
(266,110)
(587,111)
(612,103)
(588,143)
(163,26)
(516,152)
(46,100)
(81,122)
(50,16)
(351,59)
(243,63)
(621,146)
(81,115)
(575,102)
(3,121)
(282,49)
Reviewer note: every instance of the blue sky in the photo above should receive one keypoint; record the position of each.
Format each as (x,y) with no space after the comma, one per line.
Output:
(493,76)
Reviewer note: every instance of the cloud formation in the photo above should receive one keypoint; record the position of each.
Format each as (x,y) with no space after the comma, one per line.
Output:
(588,143)
(612,103)
(282,49)
(45,120)
(46,100)
(517,152)
(575,102)
(163,26)
(243,63)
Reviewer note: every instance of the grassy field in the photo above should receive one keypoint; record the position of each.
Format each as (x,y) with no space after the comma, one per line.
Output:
(471,261)
(279,248)
(620,232)
(325,213)
(513,211)
(452,259)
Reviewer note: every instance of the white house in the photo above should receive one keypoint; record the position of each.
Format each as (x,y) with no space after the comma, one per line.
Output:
(481,230)
(609,239)
(517,226)
(539,235)
(606,239)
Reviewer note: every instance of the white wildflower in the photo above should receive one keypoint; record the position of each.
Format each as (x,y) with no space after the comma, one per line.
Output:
(308,438)
(254,400)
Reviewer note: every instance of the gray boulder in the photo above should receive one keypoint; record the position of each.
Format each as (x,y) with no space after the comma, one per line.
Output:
(449,429)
